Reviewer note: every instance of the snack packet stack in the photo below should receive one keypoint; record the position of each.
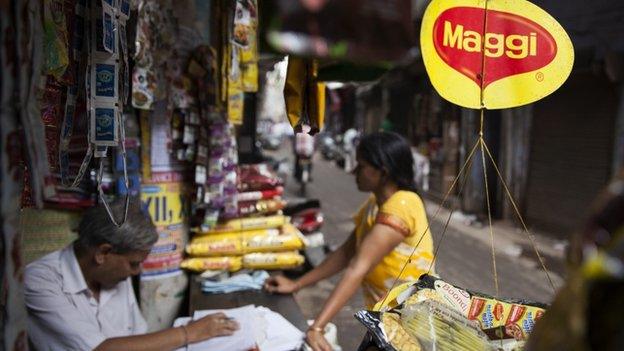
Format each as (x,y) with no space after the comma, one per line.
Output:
(258,237)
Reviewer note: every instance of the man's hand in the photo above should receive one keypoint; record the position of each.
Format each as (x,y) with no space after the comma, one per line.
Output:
(317,341)
(217,324)
(280,284)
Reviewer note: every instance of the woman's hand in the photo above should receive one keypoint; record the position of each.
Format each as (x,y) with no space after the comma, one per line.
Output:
(217,324)
(317,341)
(280,284)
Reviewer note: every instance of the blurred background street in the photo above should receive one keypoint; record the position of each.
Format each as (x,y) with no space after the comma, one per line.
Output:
(464,258)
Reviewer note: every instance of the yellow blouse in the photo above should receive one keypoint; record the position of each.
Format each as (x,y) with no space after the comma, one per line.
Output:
(405,212)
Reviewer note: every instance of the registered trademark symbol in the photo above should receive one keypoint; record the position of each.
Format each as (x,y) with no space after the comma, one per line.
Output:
(539,76)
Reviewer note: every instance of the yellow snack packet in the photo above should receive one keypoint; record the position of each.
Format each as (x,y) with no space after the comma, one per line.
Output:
(227,263)
(283,242)
(489,313)
(282,260)
(243,224)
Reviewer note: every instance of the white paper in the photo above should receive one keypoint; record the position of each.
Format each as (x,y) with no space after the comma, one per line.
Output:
(281,335)
(242,340)
(259,326)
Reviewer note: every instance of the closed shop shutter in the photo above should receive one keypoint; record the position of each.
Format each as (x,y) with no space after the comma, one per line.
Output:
(571,152)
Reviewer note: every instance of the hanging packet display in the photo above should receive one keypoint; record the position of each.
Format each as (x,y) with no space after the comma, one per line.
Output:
(250,77)
(109,29)
(143,87)
(455,317)
(246,30)
(56,55)
(304,95)
(105,75)
(489,313)
(235,95)
(295,90)
(104,125)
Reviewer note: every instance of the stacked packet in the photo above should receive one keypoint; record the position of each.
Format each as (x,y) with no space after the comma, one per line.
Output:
(258,236)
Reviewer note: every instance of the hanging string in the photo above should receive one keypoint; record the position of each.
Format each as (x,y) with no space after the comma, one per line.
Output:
(526,230)
(482,143)
(448,219)
(105,203)
(468,164)
(409,259)
(122,146)
(489,209)
(482,77)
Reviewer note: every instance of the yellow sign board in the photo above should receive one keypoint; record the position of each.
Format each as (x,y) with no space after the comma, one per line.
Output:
(164,202)
(494,54)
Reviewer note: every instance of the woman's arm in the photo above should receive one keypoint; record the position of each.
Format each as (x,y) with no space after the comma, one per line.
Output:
(334,263)
(170,339)
(379,242)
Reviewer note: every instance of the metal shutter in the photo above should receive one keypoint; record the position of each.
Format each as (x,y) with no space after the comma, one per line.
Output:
(571,152)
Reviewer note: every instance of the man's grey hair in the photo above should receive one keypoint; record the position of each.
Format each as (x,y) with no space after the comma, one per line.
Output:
(138,233)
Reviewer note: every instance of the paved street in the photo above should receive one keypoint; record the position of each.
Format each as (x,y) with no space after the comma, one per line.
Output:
(464,259)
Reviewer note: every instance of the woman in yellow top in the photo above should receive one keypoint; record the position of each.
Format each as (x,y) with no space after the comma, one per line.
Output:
(388,227)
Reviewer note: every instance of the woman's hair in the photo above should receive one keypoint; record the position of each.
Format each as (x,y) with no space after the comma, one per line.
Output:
(138,233)
(389,152)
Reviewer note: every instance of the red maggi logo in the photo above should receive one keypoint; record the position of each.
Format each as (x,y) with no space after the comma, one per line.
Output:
(510,45)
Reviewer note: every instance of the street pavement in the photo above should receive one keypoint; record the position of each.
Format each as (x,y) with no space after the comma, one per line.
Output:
(464,257)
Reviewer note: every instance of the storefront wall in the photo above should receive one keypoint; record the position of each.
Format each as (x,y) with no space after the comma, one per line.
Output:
(571,152)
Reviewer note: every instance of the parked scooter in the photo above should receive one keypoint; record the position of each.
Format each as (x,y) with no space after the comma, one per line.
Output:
(303,169)
(328,147)
(305,215)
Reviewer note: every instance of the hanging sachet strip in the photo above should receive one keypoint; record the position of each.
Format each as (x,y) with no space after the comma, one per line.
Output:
(105,106)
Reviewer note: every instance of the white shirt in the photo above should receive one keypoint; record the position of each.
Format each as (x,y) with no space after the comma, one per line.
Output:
(304,144)
(64,315)
(347,139)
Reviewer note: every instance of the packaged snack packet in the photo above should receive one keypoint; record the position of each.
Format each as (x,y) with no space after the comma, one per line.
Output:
(282,260)
(227,263)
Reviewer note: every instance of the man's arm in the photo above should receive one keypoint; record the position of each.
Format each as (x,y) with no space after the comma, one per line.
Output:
(170,339)
(51,315)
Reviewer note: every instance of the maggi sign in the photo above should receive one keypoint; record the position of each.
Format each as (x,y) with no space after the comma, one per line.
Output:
(510,54)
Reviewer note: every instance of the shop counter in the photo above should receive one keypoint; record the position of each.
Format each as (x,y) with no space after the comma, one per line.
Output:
(283,304)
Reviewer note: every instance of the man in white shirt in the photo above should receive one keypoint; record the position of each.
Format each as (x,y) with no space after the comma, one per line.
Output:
(81,297)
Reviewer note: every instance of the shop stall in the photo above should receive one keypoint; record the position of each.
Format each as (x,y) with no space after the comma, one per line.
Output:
(126,101)
(122,101)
